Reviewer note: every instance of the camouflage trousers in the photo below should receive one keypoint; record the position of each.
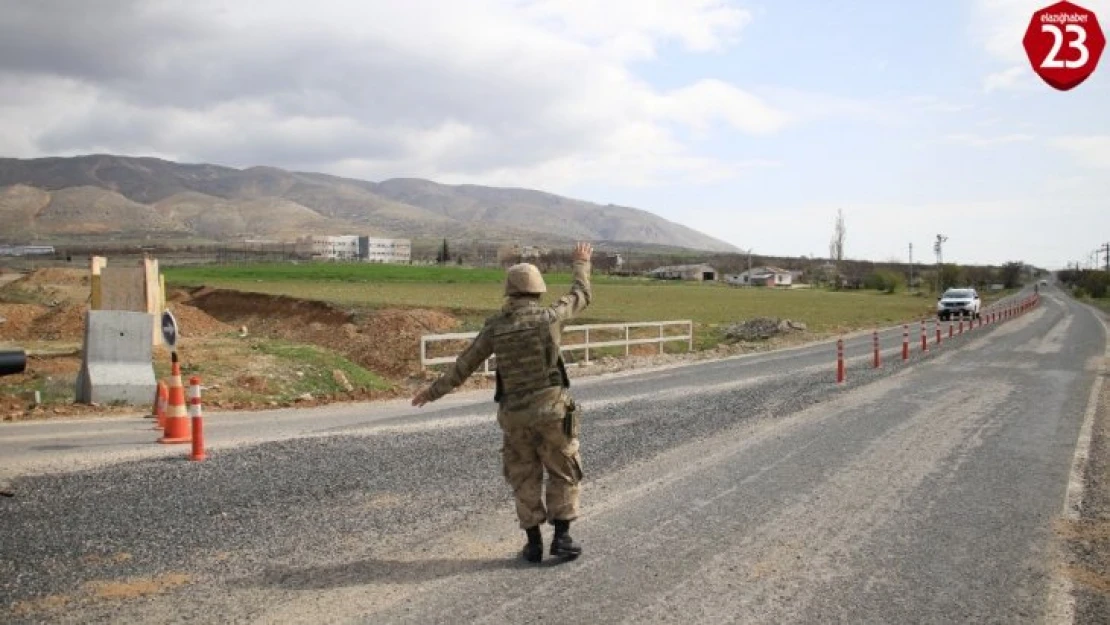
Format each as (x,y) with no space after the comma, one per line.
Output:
(526,452)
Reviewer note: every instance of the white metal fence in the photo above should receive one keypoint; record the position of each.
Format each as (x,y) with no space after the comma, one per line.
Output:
(585,344)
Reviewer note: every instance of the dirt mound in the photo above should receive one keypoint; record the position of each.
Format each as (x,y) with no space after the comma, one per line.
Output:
(195,322)
(238,308)
(61,276)
(60,323)
(384,341)
(389,340)
(18,319)
(174,296)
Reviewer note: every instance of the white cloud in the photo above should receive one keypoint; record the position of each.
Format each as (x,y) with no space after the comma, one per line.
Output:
(536,92)
(1010,78)
(707,101)
(1092,152)
(934,104)
(633,26)
(999,25)
(980,141)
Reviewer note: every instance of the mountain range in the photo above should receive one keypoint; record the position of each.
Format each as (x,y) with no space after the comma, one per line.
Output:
(104,197)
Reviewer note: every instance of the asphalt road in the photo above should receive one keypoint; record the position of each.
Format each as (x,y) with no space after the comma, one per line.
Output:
(749,490)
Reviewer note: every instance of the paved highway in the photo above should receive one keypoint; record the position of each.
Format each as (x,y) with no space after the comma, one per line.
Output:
(748,490)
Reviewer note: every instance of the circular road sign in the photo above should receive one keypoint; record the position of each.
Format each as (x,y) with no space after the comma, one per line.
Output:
(169,329)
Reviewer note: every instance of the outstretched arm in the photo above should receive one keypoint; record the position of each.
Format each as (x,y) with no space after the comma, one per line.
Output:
(580,294)
(472,357)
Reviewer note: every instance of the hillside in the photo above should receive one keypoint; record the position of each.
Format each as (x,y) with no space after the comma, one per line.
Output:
(117,197)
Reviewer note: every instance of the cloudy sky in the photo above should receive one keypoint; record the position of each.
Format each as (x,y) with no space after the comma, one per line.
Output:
(753,121)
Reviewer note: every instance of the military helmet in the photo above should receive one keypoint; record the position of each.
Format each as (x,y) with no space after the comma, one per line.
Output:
(524,278)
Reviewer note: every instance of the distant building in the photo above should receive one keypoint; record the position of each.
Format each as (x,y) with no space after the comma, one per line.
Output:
(373,250)
(26,250)
(514,253)
(762,276)
(355,248)
(699,273)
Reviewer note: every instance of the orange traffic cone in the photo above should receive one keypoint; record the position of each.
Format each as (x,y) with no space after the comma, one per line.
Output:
(163,396)
(177,417)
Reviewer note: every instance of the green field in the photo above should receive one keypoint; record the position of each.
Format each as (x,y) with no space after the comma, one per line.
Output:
(472,293)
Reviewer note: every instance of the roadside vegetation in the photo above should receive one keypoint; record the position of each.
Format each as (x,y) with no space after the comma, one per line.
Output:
(1090,285)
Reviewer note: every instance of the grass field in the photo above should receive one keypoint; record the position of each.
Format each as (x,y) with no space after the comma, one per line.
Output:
(473,293)
(354,273)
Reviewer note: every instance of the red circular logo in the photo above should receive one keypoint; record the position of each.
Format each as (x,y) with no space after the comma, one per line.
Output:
(1063,43)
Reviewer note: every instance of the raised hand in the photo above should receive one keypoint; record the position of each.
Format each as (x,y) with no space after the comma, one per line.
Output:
(583,251)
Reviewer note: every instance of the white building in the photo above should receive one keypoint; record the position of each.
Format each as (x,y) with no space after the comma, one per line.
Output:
(374,250)
(699,273)
(325,247)
(355,248)
(762,276)
(26,250)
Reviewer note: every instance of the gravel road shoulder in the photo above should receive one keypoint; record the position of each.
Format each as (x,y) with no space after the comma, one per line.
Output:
(1088,537)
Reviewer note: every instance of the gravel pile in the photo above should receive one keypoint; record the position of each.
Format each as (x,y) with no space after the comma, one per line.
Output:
(761,328)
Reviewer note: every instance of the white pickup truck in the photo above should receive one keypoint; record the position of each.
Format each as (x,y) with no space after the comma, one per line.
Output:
(958,303)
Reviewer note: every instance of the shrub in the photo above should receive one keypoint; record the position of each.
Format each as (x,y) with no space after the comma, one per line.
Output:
(884,280)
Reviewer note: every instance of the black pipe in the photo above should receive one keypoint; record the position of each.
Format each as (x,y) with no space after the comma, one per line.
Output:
(13,362)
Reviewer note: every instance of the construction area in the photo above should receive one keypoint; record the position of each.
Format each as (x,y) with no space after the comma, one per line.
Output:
(252,350)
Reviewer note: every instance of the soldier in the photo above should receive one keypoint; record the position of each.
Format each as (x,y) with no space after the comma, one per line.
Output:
(537,415)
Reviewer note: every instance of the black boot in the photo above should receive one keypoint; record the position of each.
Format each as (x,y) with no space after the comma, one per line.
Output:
(562,545)
(533,550)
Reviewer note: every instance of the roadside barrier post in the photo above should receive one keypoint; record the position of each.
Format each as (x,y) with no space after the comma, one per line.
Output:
(197,418)
(840,361)
(937,324)
(951,332)
(924,337)
(878,359)
(905,341)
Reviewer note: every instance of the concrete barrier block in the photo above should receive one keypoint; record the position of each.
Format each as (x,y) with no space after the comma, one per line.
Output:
(117,358)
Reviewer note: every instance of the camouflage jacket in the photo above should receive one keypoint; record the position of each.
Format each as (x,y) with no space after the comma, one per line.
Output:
(545,404)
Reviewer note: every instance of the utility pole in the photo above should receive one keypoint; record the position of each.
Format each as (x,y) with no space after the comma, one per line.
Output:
(1106,252)
(937,247)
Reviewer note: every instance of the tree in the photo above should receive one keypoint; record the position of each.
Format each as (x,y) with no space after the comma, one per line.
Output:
(951,275)
(444,255)
(836,246)
(1011,274)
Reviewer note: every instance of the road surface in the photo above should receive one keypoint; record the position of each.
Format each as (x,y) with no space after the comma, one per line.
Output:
(751,490)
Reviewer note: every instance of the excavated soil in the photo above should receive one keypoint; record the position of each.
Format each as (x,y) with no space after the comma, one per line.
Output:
(385,341)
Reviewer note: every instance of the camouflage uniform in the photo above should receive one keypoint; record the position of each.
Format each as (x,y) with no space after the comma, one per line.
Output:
(525,337)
